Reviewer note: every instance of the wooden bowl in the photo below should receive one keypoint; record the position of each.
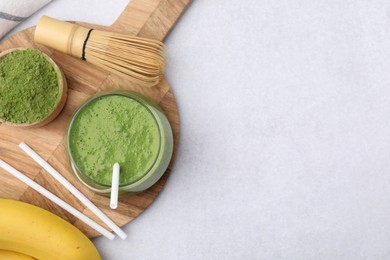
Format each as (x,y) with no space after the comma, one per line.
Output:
(63,94)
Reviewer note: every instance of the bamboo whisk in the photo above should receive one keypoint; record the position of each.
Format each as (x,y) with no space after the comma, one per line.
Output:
(137,59)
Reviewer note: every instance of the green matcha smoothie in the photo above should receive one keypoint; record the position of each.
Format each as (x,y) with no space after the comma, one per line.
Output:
(123,128)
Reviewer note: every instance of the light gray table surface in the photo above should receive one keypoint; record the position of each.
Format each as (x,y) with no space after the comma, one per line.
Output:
(285,132)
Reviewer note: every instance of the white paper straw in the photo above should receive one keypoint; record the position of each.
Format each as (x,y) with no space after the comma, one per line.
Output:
(73,190)
(56,200)
(114,186)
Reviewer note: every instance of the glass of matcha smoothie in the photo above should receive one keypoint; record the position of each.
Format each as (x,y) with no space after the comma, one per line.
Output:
(122,127)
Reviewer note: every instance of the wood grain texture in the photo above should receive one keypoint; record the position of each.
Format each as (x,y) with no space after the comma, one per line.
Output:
(148,18)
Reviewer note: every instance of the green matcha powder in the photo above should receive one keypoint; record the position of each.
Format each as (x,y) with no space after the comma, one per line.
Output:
(29,88)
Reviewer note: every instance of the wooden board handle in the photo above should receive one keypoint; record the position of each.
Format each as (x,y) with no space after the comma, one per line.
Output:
(150,18)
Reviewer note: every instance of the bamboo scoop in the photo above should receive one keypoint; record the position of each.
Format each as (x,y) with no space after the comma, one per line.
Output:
(63,93)
(139,60)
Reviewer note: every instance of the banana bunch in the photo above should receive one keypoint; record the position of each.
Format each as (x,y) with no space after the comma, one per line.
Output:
(29,232)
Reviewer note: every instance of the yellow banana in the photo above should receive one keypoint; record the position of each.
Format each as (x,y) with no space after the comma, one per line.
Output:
(11,255)
(35,232)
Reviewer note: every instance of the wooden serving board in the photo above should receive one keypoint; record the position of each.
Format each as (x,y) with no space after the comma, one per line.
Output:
(146,18)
